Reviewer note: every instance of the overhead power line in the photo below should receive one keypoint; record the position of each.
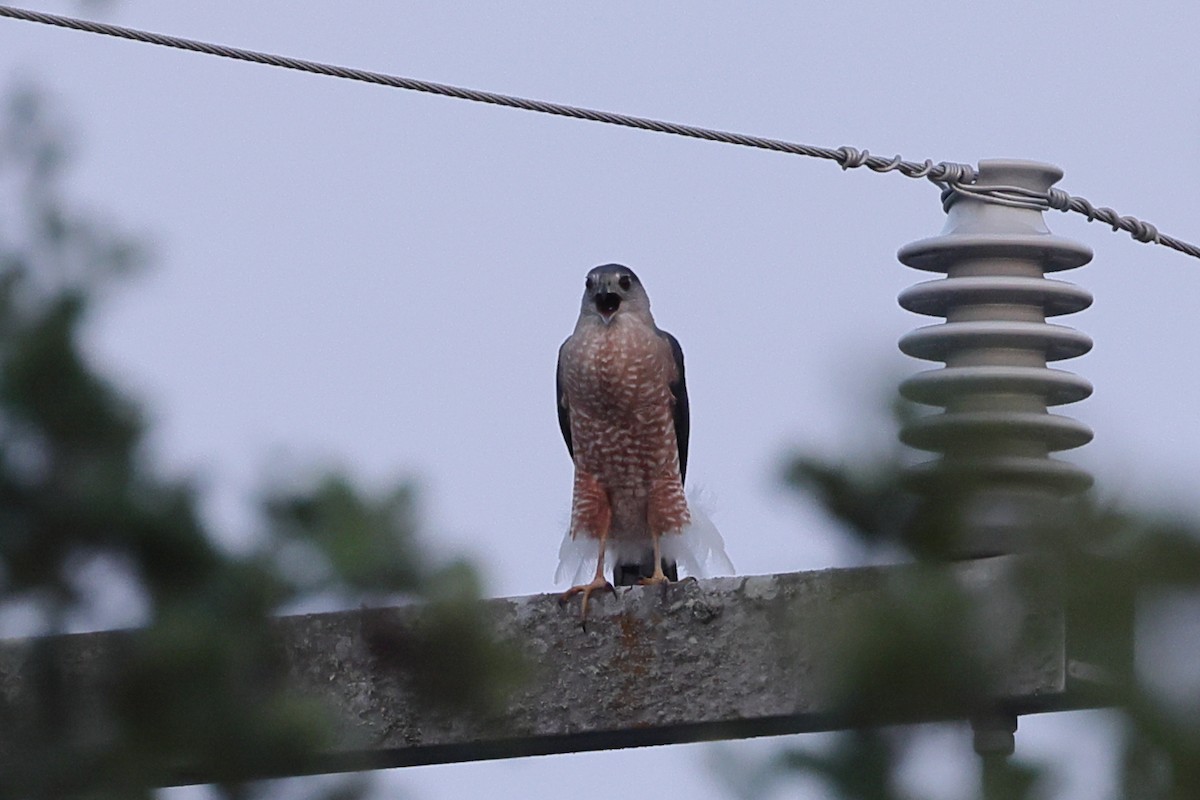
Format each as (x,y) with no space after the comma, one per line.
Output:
(948,175)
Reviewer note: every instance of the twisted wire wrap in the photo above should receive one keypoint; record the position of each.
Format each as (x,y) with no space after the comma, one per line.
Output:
(947,175)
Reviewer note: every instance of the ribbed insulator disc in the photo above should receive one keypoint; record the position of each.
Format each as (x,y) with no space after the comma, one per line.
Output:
(944,431)
(935,298)
(937,387)
(1048,472)
(936,254)
(936,342)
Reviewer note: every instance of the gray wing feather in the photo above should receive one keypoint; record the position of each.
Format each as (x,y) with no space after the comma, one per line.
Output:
(682,412)
(564,412)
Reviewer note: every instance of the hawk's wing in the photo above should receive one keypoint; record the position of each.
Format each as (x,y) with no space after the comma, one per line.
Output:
(564,413)
(681,411)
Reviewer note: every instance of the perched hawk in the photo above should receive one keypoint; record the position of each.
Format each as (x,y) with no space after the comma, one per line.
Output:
(623,410)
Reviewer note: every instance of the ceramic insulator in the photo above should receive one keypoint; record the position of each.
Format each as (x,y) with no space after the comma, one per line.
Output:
(995,343)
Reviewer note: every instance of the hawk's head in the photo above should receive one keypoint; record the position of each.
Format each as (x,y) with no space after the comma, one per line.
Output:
(613,289)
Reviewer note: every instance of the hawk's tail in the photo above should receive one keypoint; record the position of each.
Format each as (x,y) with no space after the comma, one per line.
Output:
(697,551)
(698,548)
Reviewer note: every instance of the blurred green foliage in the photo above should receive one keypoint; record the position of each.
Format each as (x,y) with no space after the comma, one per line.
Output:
(199,685)
(919,653)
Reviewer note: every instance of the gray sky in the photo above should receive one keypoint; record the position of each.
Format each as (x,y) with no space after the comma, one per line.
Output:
(355,275)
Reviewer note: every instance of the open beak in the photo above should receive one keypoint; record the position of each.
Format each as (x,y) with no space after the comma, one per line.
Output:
(607,304)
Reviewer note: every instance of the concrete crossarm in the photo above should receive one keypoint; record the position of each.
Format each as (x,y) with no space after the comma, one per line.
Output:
(719,658)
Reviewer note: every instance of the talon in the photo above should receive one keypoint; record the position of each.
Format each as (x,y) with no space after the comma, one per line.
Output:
(586,590)
(659,577)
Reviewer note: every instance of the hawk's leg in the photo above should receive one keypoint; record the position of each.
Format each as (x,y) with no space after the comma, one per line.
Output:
(598,583)
(592,511)
(659,576)
(667,511)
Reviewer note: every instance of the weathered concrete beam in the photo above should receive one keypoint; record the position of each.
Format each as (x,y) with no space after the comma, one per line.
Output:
(714,659)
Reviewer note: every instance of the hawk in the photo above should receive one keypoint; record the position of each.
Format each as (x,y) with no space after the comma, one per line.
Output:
(623,411)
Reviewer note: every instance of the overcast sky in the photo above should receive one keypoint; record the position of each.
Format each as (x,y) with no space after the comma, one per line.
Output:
(376,279)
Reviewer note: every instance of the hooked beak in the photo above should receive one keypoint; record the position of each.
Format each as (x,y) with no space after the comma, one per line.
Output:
(607,304)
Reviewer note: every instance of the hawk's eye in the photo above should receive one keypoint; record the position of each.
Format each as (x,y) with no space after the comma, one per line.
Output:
(625,282)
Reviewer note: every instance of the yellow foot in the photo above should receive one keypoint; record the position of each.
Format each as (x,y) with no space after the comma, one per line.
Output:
(654,579)
(586,590)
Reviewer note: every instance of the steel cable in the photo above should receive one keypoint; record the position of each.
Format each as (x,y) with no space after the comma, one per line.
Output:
(958,177)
